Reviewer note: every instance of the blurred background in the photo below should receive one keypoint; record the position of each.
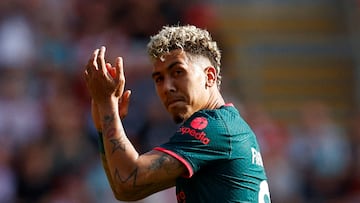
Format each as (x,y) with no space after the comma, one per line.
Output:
(291,67)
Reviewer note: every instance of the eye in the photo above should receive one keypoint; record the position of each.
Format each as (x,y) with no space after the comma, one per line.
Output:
(158,79)
(178,72)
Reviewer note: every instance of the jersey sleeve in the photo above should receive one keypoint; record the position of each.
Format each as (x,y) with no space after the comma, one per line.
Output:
(199,141)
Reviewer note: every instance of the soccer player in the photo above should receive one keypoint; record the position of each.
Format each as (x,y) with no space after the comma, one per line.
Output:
(212,157)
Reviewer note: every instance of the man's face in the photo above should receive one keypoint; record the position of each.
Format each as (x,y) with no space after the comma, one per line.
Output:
(181,83)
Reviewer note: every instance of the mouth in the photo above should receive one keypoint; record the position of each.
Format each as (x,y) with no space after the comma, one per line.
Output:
(173,101)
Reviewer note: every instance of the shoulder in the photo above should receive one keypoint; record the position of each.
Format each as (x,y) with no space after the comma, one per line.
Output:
(217,114)
(224,115)
(212,123)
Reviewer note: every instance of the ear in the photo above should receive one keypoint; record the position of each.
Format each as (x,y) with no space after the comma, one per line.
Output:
(210,73)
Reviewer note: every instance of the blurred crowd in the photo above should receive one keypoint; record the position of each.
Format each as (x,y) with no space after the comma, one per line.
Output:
(48,149)
(315,159)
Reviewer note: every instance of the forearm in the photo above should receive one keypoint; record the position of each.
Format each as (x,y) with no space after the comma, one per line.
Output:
(97,124)
(104,162)
(120,154)
(128,178)
(115,185)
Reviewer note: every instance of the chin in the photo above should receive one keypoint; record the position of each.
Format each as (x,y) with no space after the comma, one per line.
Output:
(178,119)
(179,114)
(176,116)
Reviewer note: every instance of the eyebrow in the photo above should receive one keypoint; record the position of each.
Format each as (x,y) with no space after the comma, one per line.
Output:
(154,74)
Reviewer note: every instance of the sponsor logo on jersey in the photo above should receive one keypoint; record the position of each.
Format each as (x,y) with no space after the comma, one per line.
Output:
(256,157)
(196,124)
(199,123)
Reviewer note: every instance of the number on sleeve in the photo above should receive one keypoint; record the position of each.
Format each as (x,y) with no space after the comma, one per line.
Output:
(264,193)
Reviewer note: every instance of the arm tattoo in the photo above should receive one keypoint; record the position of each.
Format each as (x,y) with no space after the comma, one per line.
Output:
(166,162)
(108,121)
(117,145)
(157,163)
(132,174)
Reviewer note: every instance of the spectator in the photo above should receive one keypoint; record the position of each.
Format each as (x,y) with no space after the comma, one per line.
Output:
(320,153)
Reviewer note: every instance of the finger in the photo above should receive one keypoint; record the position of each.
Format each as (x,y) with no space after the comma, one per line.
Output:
(101,59)
(126,98)
(94,58)
(86,74)
(124,104)
(119,66)
(92,62)
(119,75)
(111,70)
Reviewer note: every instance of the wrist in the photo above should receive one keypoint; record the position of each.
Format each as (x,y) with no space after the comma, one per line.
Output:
(108,103)
(108,107)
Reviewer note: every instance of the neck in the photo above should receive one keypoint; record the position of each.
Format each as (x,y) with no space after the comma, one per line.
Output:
(215,101)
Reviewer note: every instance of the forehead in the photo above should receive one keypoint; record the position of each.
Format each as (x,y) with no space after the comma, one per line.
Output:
(172,56)
(168,61)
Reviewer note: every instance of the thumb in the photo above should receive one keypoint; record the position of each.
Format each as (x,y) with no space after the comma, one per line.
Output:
(124,104)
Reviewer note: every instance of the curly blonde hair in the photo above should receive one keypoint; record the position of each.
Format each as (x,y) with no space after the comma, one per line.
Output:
(192,40)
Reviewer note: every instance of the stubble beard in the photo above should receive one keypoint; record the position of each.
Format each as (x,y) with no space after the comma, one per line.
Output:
(179,115)
(178,119)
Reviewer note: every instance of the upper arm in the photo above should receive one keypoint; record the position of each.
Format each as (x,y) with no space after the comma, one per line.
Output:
(160,167)
(154,171)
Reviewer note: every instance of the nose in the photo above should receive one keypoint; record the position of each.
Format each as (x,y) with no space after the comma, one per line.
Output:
(169,86)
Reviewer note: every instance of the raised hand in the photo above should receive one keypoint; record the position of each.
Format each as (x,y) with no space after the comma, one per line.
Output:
(106,83)
(100,83)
